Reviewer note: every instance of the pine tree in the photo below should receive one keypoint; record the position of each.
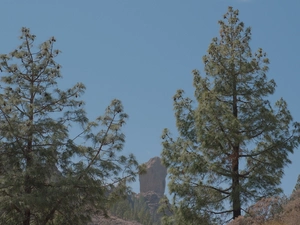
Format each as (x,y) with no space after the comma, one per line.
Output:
(46,177)
(233,144)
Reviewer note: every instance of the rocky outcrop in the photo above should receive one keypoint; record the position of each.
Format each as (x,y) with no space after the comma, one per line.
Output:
(155,178)
(153,184)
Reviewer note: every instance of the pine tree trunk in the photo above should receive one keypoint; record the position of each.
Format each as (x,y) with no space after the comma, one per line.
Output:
(236,204)
(28,157)
(27,212)
(26,221)
(236,201)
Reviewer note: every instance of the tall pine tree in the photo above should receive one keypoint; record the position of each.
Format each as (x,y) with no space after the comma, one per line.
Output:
(233,144)
(46,177)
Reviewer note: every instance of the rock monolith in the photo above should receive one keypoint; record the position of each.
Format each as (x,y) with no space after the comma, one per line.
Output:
(155,178)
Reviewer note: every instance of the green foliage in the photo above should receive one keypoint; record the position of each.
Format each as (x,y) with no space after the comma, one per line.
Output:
(233,144)
(46,177)
(134,208)
(178,213)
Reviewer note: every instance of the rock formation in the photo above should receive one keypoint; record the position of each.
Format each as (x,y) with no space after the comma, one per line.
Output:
(155,178)
(152,185)
(152,188)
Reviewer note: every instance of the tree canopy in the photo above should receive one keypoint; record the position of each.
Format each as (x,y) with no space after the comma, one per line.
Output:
(47,176)
(233,142)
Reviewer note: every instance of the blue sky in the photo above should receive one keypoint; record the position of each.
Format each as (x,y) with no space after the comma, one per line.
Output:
(141,52)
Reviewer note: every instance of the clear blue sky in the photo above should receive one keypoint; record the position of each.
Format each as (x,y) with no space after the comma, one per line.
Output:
(141,52)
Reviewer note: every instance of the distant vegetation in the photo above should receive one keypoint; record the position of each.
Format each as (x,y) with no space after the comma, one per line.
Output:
(134,208)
